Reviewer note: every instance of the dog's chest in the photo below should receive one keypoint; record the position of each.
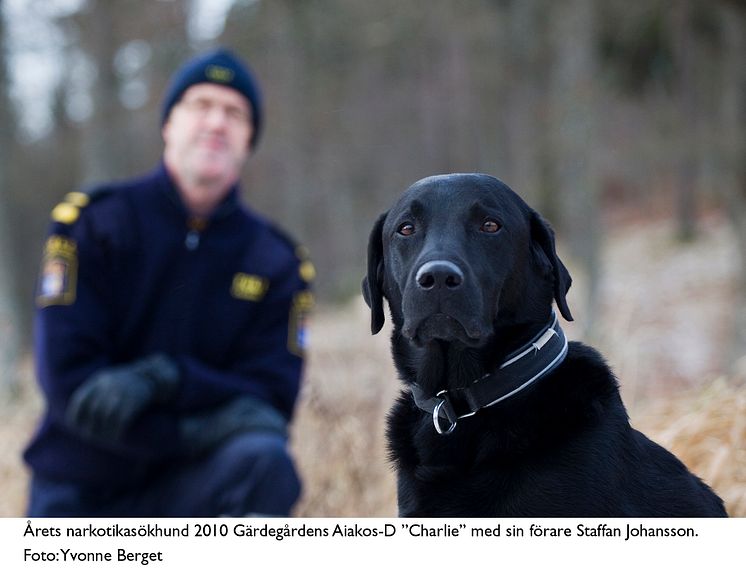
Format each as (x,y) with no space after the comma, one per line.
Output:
(431,492)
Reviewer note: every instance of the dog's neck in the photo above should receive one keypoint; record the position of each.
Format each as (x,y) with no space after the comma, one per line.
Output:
(453,383)
(456,365)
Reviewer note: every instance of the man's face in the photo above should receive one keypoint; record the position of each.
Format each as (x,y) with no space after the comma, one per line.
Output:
(207,136)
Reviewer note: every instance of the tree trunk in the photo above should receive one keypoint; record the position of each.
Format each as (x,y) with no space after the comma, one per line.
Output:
(10,335)
(734,120)
(102,158)
(573,99)
(687,138)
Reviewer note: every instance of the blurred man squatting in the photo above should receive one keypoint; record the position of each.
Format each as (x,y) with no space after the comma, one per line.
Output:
(170,327)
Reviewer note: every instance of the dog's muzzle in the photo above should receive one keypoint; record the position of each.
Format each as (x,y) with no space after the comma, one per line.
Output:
(442,303)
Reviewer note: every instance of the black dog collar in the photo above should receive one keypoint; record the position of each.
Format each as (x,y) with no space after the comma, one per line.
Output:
(522,368)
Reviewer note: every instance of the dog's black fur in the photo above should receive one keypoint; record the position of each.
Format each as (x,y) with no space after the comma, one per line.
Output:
(562,447)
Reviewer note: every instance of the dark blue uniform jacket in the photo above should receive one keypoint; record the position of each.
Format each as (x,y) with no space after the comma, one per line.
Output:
(225,298)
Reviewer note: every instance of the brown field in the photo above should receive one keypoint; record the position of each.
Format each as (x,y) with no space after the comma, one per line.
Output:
(664,320)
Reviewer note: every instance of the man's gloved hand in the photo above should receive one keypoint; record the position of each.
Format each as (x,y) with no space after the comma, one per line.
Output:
(107,403)
(204,431)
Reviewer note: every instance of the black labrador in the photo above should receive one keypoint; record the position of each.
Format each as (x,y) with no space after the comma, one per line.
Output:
(502,416)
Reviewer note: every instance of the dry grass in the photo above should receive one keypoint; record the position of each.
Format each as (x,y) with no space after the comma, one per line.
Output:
(706,429)
(17,421)
(663,326)
(338,436)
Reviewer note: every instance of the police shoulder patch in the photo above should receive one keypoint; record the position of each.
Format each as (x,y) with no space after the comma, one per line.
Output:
(65,213)
(78,198)
(303,303)
(307,271)
(59,272)
(69,209)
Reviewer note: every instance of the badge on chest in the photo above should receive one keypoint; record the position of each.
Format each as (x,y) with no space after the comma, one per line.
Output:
(249,287)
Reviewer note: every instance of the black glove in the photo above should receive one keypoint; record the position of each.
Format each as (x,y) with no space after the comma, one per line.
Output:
(202,432)
(107,403)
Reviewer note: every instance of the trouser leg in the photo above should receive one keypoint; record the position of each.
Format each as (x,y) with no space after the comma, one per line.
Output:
(250,473)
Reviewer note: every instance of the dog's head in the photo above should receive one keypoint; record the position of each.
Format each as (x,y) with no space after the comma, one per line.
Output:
(460,255)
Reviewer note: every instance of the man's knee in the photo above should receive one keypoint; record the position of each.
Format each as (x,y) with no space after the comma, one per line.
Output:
(260,476)
(251,451)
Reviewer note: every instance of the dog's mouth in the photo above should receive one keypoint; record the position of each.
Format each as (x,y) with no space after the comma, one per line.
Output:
(440,326)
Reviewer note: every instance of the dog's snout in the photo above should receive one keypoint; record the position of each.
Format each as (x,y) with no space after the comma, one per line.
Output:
(437,274)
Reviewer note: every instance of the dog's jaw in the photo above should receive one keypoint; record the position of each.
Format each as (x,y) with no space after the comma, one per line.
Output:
(441,326)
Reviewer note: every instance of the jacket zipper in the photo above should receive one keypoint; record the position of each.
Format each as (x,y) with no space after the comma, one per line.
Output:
(196,226)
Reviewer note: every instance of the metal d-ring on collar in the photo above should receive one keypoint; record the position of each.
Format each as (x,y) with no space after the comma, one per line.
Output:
(447,408)
(498,385)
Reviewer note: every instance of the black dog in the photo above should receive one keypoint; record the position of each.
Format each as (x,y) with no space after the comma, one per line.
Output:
(502,417)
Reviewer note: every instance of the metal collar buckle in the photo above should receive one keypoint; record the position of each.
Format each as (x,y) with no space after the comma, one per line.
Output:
(448,413)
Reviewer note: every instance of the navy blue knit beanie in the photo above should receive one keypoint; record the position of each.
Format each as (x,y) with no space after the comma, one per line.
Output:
(219,67)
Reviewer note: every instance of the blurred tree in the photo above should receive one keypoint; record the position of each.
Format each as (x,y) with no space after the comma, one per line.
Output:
(574,139)
(635,44)
(650,51)
(121,135)
(103,150)
(733,19)
(10,330)
(528,62)
(687,118)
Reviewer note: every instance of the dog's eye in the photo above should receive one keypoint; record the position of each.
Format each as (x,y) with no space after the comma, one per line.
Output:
(490,227)
(406,229)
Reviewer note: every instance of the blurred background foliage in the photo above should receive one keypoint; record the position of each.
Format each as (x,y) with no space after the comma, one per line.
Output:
(586,108)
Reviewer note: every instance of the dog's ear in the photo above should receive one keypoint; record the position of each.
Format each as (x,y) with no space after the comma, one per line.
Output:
(542,238)
(373,282)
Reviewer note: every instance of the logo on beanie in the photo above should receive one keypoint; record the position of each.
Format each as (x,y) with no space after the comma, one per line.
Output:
(219,74)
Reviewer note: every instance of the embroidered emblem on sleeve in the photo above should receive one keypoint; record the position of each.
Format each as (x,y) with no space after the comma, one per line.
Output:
(59,272)
(299,313)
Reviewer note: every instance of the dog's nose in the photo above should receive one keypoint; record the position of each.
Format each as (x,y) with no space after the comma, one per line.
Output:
(439,274)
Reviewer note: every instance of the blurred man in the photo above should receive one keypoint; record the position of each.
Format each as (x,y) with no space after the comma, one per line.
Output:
(169,334)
